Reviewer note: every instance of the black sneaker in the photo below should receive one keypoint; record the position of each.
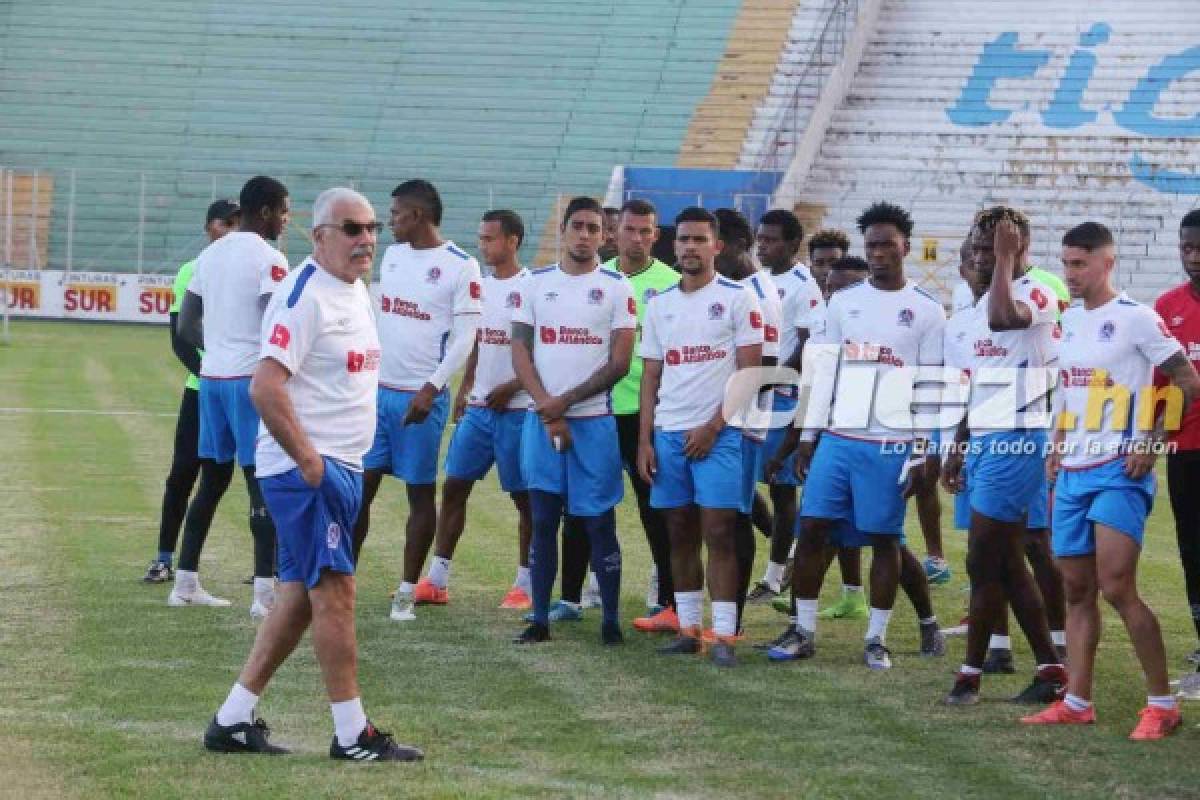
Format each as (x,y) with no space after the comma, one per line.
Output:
(374,745)
(722,654)
(158,572)
(536,632)
(999,662)
(778,640)
(965,691)
(681,645)
(1049,685)
(245,737)
(611,635)
(933,641)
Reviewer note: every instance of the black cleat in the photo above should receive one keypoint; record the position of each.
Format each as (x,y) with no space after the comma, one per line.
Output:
(777,641)
(158,572)
(681,645)
(999,662)
(611,635)
(374,745)
(722,654)
(933,641)
(536,632)
(244,737)
(965,691)
(1049,685)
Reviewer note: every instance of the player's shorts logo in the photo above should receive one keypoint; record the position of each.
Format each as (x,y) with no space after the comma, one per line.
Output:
(278,273)
(716,311)
(905,318)
(672,358)
(549,336)
(595,296)
(333,535)
(280,336)
(434,275)
(513,300)
(1107,330)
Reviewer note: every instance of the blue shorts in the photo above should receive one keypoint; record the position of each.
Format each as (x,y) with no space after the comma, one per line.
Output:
(748,472)
(1102,495)
(846,535)
(410,452)
(589,474)
(714,481)
(859,481)
(787,473)
(484,437)
(314,528)
(1006,476)
(228,421)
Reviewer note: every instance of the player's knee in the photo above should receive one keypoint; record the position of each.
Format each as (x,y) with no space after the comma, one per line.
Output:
(333,595)
(981,566)
(1118,590)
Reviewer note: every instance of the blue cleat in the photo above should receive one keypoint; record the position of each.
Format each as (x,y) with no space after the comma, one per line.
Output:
(937,571)
(561,611)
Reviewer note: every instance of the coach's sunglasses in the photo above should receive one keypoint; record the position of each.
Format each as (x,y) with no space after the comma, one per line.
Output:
(351,228)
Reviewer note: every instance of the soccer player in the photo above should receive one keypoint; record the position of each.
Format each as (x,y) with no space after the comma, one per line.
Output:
(859,474)
(572,339)
(778,242)
(222,312)
(612,222)
(1180,309)
(695,337)
(431,296)
(490,411)
(1105,471)
(824,248)
(223,216)
(315,388)
(1014,329)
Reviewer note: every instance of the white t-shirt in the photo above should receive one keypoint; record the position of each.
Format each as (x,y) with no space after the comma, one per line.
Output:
(1125,339)
(803,306)
(885,330)
(493,365)
(771,307)
(573,317)
(320,328)
(231,275)
(696,336)
(420,293)
(962,297)
(1034,348)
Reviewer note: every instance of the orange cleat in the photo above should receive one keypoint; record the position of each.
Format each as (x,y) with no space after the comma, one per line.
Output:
(426,594)
(516,599)
(665,621)
(1156,723)
(710,637)
(1061,714)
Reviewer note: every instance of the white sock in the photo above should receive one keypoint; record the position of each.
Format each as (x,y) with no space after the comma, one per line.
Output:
(523,580)
(965,670)
(405,588)
(1167,701)
(774,575)
(1000,642)
(724,615)
(878,622)
(593,585)
(792,549)
(1076,703)
(186,582)
(348,720)
(439,572)
(264,586)
(806,614)
(851,589)
(1058,638)
(690,608)
(238,707)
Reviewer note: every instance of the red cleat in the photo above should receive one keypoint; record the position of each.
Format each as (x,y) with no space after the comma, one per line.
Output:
(426,594)
(1156,723)
(1061,714)
(516,599)
(665,621)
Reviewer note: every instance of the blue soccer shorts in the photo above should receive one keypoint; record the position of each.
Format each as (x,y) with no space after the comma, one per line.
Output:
(714,481)
(409,452)
(1099,495)
(588,474)
(484,437)
(228,421)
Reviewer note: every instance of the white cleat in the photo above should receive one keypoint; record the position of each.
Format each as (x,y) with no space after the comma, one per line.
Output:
(196,597)
(402,607)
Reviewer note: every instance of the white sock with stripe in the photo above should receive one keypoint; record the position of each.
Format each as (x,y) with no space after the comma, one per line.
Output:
(349,720)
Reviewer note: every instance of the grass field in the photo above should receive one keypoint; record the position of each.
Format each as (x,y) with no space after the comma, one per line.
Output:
(104,691)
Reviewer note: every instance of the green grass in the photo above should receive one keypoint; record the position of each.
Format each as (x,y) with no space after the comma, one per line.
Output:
(104,691)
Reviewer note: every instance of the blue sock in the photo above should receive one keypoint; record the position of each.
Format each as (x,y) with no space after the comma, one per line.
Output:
(547,509)
(606,560)
(165,557)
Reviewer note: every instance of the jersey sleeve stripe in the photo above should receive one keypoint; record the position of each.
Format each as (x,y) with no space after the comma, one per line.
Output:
(298,287)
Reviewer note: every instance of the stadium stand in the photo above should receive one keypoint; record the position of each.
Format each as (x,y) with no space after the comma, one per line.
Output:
(160,106)
(1086,113)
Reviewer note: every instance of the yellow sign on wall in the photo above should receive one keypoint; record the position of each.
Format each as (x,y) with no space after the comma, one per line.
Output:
(929,250)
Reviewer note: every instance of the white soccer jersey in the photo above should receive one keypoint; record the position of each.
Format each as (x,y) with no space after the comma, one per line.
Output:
(493,365)
(962,297)
(574,317)
(957,350)
(1124,339)
(420,293)
(696,336)
(231,275)
(885,330)
(320,328)
(803,306)
(771,308)
(1033,348)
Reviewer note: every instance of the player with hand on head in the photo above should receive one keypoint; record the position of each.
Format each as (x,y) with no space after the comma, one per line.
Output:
(222,313)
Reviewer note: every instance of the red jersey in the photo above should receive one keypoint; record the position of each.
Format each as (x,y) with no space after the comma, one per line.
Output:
(1180,310)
